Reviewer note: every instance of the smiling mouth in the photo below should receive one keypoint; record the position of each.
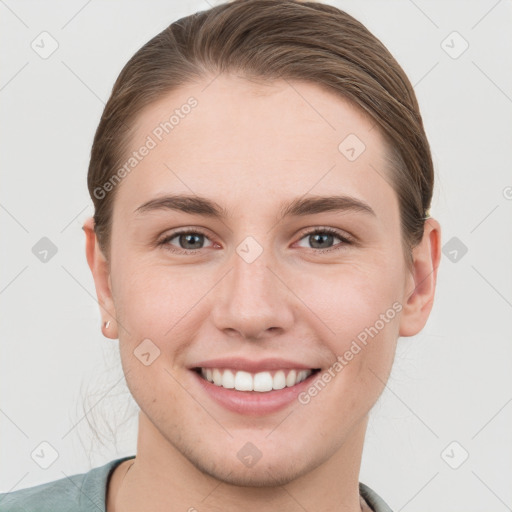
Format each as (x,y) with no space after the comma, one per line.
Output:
(261,382)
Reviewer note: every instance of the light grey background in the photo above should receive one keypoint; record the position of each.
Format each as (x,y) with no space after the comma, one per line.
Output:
(452,382)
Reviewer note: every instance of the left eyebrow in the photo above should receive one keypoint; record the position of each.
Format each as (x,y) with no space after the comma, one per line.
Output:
(298,207)
(318,204)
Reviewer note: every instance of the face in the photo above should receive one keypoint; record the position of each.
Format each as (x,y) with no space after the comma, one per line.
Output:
(256,274)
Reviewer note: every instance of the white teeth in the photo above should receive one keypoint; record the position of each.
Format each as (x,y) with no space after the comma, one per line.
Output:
(263,382)
(291,378)
(279,380)
(260,382)
(302,375)
(228,380)
(217,377)
(243,381)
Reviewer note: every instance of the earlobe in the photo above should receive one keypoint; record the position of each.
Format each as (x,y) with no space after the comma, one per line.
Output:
(101,274)
(419,294)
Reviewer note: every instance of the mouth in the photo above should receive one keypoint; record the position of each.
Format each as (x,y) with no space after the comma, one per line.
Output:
(250,386)
(260,382)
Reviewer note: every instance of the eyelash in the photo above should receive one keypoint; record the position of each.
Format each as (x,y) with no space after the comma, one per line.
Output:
(319,230)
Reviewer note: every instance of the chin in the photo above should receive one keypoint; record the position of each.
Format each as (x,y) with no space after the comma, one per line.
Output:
(264,473)
(264,476)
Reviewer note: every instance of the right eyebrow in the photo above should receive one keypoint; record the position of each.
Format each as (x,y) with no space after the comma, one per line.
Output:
(186,204)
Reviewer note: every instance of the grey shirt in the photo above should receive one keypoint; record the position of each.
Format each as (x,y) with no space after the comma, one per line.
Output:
(86,492)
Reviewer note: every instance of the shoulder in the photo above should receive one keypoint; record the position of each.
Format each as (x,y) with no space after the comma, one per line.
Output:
(77,493)
(58,495)
(375,502)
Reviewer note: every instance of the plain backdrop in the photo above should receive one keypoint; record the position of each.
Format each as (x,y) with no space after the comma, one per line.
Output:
(440,436)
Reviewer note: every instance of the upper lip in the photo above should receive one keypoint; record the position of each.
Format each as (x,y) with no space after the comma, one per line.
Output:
(251,366)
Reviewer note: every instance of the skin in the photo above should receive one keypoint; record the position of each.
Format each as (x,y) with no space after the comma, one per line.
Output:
(250,147)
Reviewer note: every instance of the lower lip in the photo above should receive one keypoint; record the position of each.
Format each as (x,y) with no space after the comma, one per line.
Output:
(254,403)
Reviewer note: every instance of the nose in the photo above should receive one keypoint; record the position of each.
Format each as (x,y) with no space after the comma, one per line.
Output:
(253,301)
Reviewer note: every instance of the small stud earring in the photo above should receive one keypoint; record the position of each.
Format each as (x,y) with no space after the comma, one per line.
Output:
(107,324)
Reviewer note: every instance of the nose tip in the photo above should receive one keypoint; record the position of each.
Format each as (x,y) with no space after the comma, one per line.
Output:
(252,301)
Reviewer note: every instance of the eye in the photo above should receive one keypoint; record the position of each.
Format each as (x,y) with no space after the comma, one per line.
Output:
(191,241)
(187,241)
(321,239)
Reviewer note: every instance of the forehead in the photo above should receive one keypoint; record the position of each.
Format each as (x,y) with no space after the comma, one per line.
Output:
(232,137)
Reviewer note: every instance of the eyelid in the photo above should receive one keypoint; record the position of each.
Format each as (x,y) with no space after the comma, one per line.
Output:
(346,240)
(340,233)
(164,240)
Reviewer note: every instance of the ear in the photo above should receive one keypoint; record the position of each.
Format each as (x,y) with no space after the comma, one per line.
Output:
(101,273)
(421,283)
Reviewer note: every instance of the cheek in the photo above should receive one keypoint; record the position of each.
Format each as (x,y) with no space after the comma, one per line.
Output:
(155,305)
(362,311)
(151,299)
(354,301)
(362,315)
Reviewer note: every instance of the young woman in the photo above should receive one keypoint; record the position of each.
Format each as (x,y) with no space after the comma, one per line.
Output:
(261,181)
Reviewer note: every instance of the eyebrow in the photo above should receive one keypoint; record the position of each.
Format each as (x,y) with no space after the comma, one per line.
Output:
(298,207)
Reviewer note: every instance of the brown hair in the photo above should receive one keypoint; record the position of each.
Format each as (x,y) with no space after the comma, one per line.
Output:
(265,40)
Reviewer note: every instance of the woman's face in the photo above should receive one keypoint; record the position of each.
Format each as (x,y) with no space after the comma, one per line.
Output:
(251,285)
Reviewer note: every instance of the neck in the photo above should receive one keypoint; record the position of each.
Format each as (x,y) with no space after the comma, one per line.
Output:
(161,478)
